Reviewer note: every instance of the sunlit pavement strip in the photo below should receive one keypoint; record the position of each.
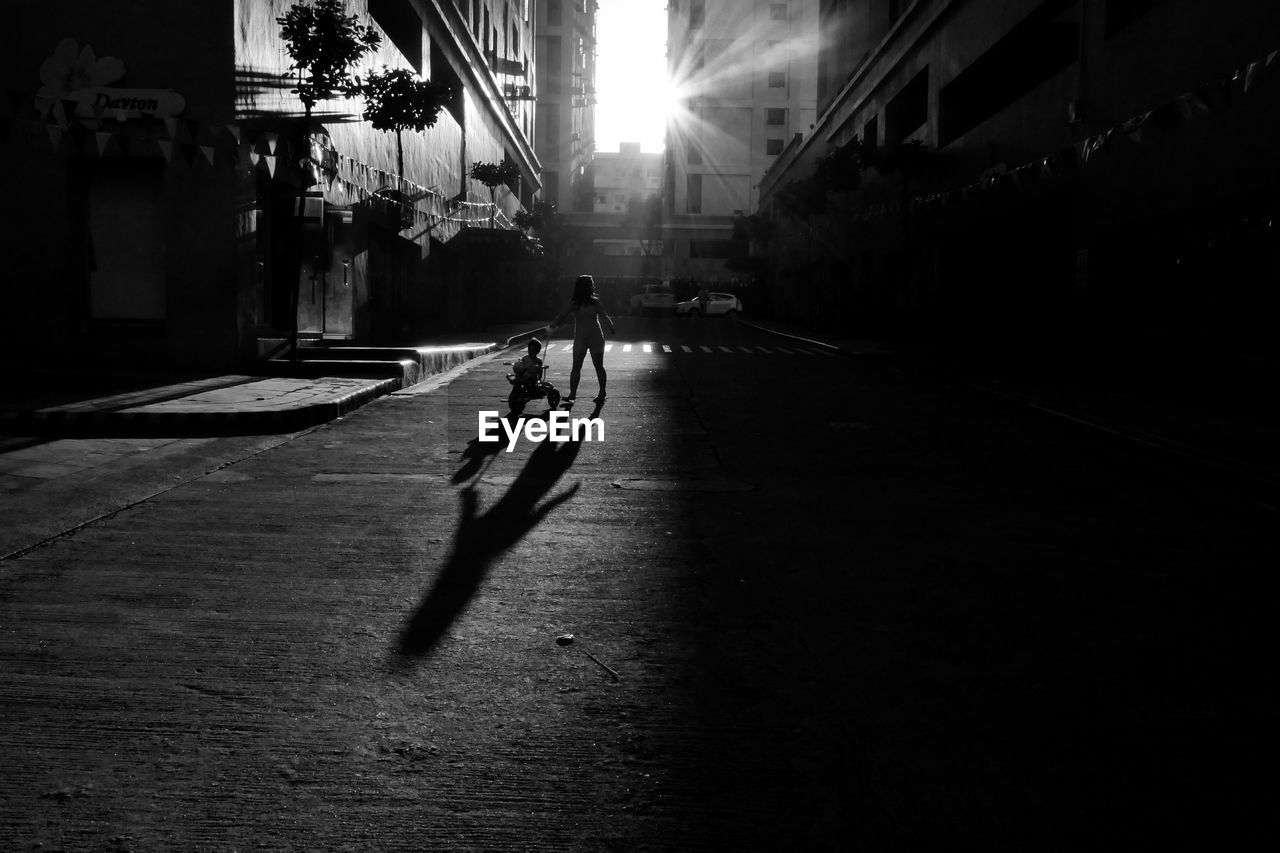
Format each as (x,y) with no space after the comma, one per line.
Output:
(626,347)
(264,395)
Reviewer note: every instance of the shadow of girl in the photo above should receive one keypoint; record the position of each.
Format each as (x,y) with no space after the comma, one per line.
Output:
(482,537)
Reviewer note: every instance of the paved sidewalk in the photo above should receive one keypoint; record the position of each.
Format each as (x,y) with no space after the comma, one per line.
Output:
(324,385)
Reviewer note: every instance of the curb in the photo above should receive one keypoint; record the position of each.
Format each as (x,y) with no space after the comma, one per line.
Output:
(385,377)
(194,424)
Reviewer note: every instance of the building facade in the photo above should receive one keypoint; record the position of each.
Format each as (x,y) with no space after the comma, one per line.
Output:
(1056,174)
(566,97)
(179,201)
(746,77)
(625,177)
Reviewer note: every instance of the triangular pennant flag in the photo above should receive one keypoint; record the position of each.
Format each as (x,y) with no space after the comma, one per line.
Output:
(55,134)
(1251,75)
(104,139)
(171,124)
(271,164)
(207,151)
(1271,57)
(234,130)
(254,158)
(166,148)
(272,140)
(60,115)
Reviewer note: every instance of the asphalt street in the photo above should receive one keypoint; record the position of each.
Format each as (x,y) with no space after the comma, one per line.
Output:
(815,603)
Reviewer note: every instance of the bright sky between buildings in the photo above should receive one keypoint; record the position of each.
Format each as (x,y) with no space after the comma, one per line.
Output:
(631,74)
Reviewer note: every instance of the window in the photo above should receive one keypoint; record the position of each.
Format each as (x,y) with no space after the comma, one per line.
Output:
(551,187)
(908,110)
(697,13)
(777,11)
(777,79)
(693,199)
(775,116)
(1122,13)
(402,25)
(554,59)
(1044,44)
(773,146)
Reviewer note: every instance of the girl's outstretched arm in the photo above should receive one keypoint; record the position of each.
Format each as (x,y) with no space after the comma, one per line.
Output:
(608,321)
(564,315)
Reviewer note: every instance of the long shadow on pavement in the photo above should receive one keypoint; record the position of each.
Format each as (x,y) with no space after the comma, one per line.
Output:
(482,537)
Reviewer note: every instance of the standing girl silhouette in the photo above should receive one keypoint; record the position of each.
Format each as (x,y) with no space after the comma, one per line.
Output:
(587,335)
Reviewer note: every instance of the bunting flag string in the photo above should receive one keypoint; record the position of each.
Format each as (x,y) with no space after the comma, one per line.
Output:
(110,132)
(1166,118)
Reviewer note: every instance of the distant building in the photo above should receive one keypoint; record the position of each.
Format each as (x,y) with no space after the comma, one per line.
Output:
(566,98)
(1063,175)
(747,74)
(160,158)
(626,177)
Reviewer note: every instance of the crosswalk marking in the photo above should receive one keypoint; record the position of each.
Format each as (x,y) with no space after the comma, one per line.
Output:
(717,349)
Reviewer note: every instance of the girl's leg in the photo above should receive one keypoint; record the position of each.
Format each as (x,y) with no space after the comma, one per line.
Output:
(579,355)
(597,358)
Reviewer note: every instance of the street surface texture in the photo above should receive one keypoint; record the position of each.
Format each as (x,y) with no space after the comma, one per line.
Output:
(816,603)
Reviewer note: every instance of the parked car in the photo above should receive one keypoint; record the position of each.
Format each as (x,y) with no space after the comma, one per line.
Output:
(654,298)
(717,303)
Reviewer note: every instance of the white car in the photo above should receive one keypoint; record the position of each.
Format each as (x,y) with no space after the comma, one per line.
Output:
(655,298)
(717,303)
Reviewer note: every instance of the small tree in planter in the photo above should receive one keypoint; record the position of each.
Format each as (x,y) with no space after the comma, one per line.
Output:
(397,100)
(494,175)
(323,44)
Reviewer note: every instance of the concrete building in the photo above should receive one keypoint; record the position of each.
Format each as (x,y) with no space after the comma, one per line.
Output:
(1064,175)
(566,97)
(746,74)
(626,177)
(160,158)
